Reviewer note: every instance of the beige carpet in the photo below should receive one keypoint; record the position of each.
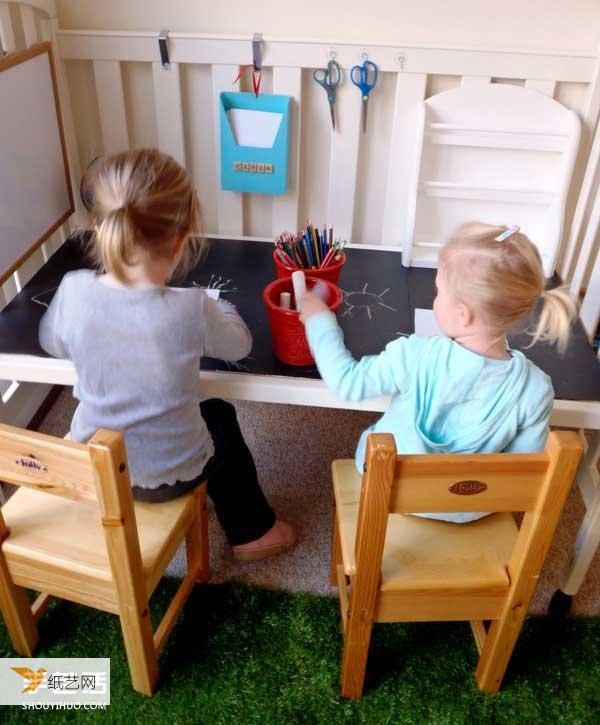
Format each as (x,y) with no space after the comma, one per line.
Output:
(293,447)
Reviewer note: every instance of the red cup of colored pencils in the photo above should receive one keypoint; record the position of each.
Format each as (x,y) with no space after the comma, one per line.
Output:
(314,251)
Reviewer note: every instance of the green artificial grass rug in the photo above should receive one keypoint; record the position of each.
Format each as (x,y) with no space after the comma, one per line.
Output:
(245,655)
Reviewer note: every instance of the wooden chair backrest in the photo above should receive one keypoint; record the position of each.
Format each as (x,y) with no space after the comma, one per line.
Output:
(536,483)
(45,463)
(95,474)
(473,482)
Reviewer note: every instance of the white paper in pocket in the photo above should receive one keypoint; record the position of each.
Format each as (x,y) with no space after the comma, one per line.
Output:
(254,128)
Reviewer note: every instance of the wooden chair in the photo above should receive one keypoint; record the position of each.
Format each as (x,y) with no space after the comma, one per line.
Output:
(394,567)
(90,543)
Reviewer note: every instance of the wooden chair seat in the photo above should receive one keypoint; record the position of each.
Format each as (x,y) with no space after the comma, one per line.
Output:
(49,531)
(423,553)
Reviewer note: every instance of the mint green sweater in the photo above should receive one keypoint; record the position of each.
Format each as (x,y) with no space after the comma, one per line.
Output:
(444,398)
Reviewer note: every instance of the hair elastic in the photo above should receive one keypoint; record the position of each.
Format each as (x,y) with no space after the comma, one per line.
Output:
(507,233)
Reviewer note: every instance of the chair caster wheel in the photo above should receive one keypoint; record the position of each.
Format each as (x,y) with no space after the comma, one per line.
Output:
(560,605)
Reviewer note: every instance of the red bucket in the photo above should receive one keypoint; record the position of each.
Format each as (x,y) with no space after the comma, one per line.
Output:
(331,272)
(289,340)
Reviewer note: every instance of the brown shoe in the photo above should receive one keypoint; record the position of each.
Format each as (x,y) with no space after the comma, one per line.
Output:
(280,537)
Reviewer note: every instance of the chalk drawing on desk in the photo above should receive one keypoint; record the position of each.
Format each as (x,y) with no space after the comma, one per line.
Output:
(237,366)
(217,282)
(44,298)
(364,300)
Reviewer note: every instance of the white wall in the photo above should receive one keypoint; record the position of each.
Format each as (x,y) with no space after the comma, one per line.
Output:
(534,24)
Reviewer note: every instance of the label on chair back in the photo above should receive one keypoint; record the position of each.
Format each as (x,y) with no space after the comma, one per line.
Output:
(467,488)
(31,464)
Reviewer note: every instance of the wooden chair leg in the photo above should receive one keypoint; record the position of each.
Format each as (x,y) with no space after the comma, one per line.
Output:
(357,639)
(498,647)
(336,551)
(141,653)
(18,617)
(15,607)
(196,539)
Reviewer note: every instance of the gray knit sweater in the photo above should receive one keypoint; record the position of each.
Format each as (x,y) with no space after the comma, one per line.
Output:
(137,355)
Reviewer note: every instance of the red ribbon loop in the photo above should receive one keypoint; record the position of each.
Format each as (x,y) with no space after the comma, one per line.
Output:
(256,77)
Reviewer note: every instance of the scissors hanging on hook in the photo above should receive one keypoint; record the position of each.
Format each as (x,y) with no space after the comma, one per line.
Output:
(365,77)
(329,78)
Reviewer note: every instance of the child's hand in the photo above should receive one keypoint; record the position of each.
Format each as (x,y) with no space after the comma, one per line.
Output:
(310,305)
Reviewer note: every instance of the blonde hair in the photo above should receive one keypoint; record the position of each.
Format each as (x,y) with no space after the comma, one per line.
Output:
(503,281)
(142,201)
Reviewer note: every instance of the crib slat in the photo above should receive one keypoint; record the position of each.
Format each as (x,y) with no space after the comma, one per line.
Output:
(288,81)
(111,103)
(546,87)
(169,113)
(29,268)
(590,307)
(344,160)
(592,160)
(401,182)
(230,204)
(29,27)
(7,34)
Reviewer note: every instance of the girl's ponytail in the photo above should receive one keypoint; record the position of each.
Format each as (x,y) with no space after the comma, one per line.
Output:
(114,240)
(142,203)
(558,312)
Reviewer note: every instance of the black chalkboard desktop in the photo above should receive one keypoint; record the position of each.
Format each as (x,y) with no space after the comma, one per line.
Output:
(380,296)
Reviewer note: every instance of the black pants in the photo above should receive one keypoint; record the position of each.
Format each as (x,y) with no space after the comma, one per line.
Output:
(232,482)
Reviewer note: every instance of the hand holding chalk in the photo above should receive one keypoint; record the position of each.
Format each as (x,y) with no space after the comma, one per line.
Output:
(321,290)
(299,282)
(312,304)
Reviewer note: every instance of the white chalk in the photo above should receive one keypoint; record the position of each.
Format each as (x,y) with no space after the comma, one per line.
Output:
(285,300)
(299,282)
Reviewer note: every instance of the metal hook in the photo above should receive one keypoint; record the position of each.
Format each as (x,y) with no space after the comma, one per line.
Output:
(257,51)
(163,47)
(364,55)
(332,54)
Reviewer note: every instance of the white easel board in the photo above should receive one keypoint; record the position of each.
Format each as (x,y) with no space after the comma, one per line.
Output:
(35,188)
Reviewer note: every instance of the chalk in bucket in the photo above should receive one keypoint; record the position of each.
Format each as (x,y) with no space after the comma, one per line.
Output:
(289,341)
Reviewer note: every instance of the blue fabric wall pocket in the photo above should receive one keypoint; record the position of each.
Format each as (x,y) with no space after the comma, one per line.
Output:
(254,142)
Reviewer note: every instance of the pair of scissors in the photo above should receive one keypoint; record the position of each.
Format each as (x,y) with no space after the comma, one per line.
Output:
(329,78)
(365,77)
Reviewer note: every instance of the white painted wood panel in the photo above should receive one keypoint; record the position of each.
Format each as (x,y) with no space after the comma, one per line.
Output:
(590,307)
(169,113)
(111,105)
(197,48)
(230,218)
(410,92)
(545,87)
(288,81)
(29,27)
(344,159)
(470,167)
(7,35)
(475,80)
(590,145)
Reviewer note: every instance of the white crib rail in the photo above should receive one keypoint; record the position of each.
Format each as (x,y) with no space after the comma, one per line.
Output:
(340,184)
